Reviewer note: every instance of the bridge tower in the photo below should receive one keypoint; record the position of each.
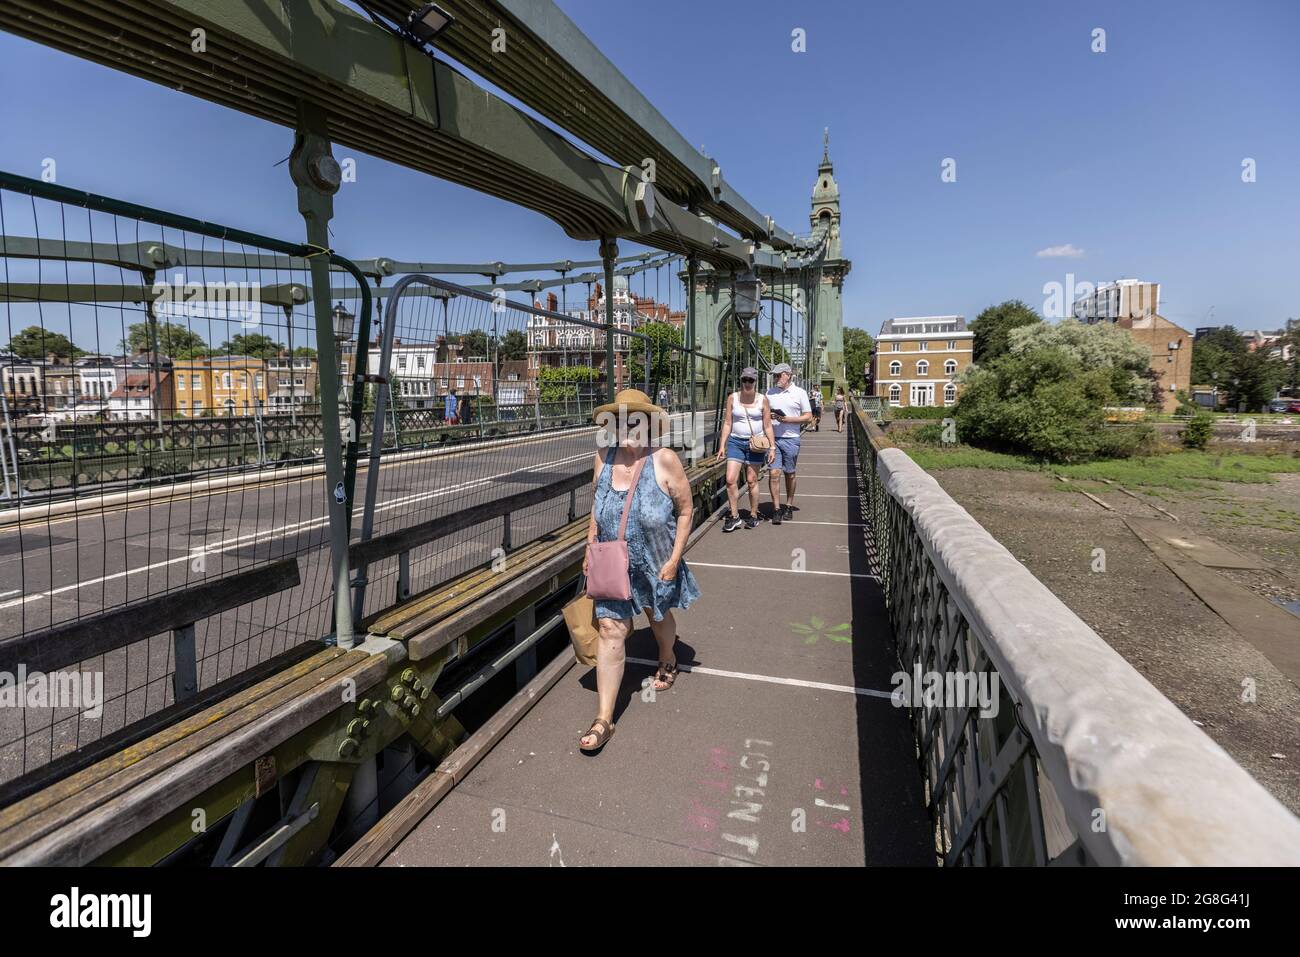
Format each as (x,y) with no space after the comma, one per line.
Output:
(829,305)
(812,293)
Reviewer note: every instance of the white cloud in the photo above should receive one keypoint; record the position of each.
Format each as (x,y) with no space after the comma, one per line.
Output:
(1068,251)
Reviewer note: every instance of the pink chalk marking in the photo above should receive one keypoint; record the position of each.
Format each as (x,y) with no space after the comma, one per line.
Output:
(842,825)
(716,786)
(702,817)
(817,783)
(843,790)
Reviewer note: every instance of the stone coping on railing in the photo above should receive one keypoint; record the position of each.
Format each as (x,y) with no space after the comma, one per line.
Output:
(1105,737)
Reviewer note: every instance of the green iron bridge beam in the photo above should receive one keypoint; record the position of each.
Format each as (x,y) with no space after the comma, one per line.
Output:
(550,65)
(379,94)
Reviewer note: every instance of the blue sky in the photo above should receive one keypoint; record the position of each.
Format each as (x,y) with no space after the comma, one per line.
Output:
(1132,156)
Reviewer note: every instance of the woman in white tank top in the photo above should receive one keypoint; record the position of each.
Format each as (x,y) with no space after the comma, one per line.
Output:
(747,415)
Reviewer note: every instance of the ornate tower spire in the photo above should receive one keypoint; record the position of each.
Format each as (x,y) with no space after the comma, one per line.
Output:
(826,193)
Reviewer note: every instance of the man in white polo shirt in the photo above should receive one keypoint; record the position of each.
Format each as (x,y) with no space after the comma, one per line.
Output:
(790,409)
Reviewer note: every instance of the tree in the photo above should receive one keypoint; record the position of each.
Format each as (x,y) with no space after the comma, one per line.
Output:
(253,344)
(1211,363)
(1043,402)
(304,352)
(35,342)
(1226,338)
(667,364)
(1291,342)
(560,384)
(514,346)
(1097,346)
(858,346)
(474,343)
(993,326)
(174,340)
(1256,378)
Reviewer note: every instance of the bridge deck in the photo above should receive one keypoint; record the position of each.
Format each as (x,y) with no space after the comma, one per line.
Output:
(780,714)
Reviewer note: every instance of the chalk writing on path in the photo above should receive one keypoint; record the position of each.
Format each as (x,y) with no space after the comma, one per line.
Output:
(832,803)
(733,794)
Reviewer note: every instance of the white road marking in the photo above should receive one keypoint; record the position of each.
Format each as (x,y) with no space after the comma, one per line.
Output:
(773,680)
(791,571)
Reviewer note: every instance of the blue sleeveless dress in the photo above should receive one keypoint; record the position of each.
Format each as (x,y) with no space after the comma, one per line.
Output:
(651,531)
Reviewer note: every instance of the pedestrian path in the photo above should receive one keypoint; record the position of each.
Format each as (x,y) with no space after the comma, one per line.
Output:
(780,745)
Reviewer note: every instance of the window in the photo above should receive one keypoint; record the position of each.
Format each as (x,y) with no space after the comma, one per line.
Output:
(225,380)
(195,383)
(950,367)
(924,346)
(949,394)
(896,368)
(419,362)
(922,367)
(180,384)
(401,362)
(259,382)
(952,345)
(896,347)
(198,406)
(895,394)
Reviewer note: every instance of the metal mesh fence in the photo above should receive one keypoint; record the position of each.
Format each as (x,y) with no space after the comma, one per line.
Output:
(160,430)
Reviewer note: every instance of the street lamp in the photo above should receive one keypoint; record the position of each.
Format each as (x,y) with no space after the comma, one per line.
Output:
(343,321)
(344,324)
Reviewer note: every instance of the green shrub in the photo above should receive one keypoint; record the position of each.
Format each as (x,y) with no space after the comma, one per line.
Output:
(919,412)
(1197,433)
(1046,403)
(929,434)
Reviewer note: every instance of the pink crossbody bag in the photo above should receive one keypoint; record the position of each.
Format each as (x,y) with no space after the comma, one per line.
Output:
(607,562)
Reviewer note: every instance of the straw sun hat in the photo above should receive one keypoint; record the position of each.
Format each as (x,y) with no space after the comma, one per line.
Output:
(627,402)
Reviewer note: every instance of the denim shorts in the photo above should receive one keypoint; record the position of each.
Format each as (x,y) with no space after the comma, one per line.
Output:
(787,454)
(738,451)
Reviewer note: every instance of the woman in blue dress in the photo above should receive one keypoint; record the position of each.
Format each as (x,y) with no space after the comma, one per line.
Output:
(657,529)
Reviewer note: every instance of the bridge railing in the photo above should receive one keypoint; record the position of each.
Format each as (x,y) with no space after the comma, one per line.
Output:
(1077,758)
(160,344)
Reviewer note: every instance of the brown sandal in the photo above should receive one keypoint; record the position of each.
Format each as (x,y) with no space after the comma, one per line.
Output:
(667,674)
(602,735)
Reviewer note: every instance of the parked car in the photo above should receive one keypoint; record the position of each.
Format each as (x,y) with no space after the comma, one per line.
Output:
(1279,405)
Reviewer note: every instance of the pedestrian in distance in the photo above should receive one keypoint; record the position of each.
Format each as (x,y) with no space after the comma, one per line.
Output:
(815,400)
(790,410)
(450,407)
(643,497)
(747,442)
(841,410)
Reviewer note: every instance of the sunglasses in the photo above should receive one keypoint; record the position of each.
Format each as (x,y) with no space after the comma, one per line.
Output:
(748,380)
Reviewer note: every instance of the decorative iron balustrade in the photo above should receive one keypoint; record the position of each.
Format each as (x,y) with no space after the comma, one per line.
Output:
(1081,761)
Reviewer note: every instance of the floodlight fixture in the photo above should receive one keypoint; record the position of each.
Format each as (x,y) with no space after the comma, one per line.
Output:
(427,22)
